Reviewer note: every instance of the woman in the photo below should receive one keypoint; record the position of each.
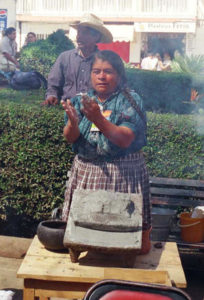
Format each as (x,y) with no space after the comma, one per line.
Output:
(30,38)
(107,129)
(167,62)
(8,49)
(160,65)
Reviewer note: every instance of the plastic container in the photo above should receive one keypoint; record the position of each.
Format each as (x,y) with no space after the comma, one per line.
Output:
(192,229)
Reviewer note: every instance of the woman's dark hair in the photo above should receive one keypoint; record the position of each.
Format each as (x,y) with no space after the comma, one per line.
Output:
(9,30)
(115,61)
(32,33)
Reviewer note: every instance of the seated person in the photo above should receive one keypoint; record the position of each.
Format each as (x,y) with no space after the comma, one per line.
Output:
(30,38)
(8,50)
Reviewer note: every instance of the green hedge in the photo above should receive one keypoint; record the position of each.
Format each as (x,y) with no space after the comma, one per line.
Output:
(162,91)
(175,145)
(34,157)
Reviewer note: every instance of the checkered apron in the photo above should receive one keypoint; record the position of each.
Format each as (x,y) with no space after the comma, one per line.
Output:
(126,175)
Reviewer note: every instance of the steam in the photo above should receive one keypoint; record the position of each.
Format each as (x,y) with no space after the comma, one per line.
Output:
(200,122)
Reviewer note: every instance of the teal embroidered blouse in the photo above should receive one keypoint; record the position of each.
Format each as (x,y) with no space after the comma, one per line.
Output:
(93,144)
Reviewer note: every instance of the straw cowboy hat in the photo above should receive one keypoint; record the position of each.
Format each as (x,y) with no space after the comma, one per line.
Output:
(92,21)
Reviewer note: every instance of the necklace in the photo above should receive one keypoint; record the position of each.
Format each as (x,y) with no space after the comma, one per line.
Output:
(102,100)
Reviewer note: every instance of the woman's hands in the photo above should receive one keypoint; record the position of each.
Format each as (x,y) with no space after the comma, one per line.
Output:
(71,130)
(121,136)
(70,111)
(90,109)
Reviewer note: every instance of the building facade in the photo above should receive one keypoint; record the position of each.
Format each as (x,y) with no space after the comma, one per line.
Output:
(138,26)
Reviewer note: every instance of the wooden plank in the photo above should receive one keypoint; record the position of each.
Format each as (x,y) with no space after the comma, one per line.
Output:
(177,192)
(37,268)
(37,249)
(166,258)
(52,267)
(58,269)
(177,182)
(50,294)
(175,202)
(71,290)
(28,294)
(139,275)
(28,291)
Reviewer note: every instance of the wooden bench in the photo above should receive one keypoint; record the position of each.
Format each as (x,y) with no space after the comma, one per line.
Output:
(177,194)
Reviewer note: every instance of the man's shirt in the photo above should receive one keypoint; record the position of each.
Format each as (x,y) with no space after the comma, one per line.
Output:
(70,75)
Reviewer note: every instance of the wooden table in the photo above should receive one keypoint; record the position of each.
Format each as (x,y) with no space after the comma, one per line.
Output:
(52,274)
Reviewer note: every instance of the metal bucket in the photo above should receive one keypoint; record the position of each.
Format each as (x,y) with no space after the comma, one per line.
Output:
(161,223)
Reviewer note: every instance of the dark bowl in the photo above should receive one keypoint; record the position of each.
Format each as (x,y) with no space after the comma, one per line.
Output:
(51,234)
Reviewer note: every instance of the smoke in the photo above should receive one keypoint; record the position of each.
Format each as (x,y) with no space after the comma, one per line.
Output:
(200,122)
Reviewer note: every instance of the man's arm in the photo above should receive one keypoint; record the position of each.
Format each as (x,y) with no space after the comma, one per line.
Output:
(12,59)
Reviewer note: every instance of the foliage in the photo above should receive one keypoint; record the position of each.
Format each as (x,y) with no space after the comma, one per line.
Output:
(175,146)
(162,91)
(41,55)
(192,64)
(34,157)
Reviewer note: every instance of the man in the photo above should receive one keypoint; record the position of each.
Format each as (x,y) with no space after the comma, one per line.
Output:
(70,74)
(8,49)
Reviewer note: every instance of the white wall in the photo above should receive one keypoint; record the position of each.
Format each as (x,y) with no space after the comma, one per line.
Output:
(199,41)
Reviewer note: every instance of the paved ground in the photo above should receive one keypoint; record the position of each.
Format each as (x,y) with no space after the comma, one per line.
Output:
(17,247)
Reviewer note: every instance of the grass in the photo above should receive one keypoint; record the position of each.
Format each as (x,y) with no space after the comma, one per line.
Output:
(32,97)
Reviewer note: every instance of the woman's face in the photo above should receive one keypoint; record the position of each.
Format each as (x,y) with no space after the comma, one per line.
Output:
(104,78)
(31,38)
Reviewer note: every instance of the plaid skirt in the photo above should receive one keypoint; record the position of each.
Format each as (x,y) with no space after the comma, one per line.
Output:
(126,175)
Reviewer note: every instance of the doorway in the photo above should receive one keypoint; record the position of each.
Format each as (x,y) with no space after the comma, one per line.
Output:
(166,43)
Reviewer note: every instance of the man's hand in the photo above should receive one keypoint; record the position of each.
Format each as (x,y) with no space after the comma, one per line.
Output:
(51,100)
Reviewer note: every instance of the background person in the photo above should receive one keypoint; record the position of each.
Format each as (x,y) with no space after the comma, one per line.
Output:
(167,62)
(71,72)
(108,130)
(8,50)
(30,38)
(160,65)
(150,62)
